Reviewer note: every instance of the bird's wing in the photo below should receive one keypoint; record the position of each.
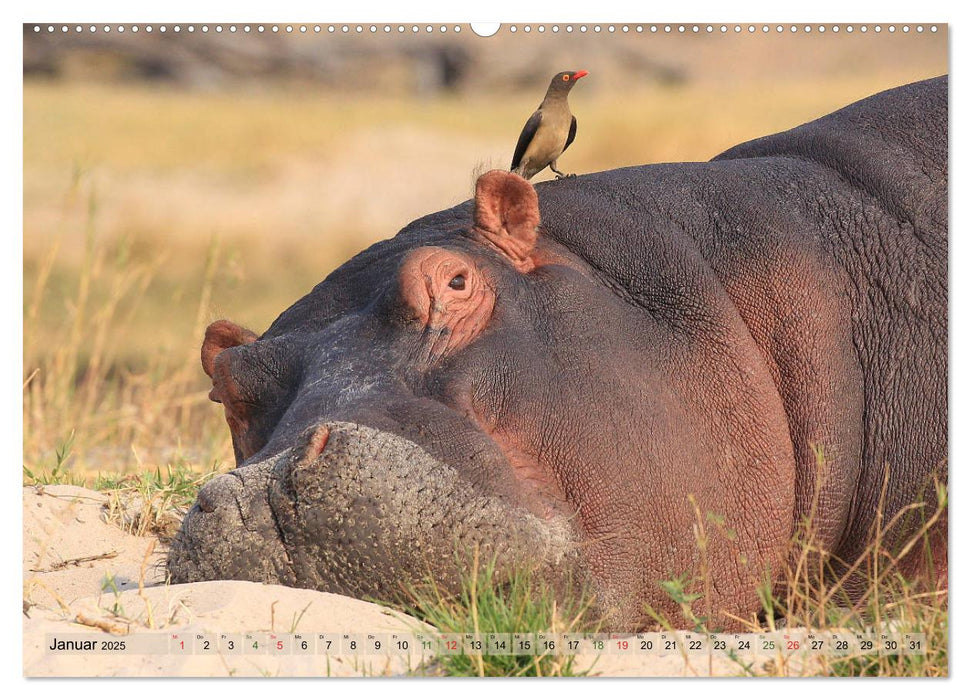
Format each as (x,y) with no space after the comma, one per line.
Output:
(529,131)
(572,135)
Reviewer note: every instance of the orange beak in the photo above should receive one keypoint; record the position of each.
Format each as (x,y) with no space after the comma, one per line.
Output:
(579,74)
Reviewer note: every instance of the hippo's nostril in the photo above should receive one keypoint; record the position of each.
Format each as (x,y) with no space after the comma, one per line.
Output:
(206,504)
(317,443)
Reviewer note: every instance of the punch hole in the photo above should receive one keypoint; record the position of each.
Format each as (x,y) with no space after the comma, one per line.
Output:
(484,29)
(512,29)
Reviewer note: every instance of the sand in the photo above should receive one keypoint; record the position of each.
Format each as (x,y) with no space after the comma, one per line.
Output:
(83,575)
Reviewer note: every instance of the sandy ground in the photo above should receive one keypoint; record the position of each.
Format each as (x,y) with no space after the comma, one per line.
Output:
(70,553)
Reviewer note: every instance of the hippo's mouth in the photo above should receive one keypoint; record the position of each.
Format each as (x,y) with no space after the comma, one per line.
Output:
(360,512)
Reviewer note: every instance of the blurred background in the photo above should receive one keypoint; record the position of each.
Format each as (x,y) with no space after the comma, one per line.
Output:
(173,179)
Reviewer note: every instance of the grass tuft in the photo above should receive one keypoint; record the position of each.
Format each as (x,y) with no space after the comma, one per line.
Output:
(521,602)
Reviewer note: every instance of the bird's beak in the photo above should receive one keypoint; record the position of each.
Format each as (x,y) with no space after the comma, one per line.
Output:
(579,74)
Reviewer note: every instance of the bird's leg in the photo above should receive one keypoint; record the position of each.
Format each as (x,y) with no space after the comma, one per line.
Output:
(559,175)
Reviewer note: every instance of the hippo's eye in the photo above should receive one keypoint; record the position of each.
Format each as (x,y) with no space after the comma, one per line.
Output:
(458,282)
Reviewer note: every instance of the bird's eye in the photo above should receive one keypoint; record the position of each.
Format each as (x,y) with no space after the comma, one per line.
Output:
(457,283)
(566,78)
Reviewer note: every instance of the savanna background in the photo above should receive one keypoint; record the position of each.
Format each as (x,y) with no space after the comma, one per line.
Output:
(174,179)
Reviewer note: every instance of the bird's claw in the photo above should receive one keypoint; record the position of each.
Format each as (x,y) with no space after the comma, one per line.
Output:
(561,176)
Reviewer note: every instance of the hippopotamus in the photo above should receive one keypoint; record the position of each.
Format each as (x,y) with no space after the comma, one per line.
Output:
(619,379)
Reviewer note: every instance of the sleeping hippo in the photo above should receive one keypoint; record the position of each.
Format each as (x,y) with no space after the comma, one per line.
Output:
(583,376)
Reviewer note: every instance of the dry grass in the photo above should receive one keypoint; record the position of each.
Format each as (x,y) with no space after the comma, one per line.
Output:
(150,212)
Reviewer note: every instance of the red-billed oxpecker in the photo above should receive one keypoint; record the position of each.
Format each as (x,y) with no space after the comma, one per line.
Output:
(550,130)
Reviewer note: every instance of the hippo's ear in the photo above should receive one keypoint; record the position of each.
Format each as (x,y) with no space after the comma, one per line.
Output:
(220,336)
(507,214)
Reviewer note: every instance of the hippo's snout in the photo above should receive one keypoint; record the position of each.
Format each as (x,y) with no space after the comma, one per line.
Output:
(356,511)
(230,532)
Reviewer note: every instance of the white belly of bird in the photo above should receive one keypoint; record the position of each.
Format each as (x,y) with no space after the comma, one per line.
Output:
(548,144)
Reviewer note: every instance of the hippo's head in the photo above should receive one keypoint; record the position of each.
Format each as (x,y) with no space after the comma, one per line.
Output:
(376,423)
(465,385)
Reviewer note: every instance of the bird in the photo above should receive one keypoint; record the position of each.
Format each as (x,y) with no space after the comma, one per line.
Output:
(549,131)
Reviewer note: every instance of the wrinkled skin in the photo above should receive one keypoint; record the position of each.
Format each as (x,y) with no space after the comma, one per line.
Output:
(575,381)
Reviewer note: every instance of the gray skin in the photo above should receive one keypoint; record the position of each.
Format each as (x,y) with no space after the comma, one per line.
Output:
(668,347)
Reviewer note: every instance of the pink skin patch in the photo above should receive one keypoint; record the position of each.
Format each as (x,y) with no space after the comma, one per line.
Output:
(317,444)
(449,296)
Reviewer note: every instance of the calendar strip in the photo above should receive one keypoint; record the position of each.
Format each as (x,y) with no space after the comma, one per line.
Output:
(741,646)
